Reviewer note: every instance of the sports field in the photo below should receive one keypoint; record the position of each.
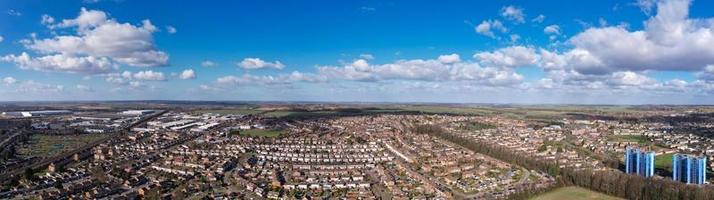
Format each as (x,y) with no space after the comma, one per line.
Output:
(573,192)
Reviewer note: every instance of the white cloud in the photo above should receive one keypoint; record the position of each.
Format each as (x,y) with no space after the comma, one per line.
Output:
(62,62)
(514,56)
(628,78)
(98,45)
(247,79)
(646,5)
(9,80)
(432,70)
(187,74)
(47,20)
(669,41)
(449,59)
(486,28)
(552,29)
(538,19)
(149,76)
(127,77)
(1,38)
(513,13)
(208,63)
(171,29)
(86,20)
(257,63)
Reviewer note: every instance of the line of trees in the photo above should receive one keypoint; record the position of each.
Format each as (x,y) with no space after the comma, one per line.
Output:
(611,182)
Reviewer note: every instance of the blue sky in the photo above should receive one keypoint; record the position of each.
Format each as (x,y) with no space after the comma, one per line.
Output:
(591,52)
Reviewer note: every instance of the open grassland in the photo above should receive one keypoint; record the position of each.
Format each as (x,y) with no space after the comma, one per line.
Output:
(236,111)
(573,192)
(50,145)
(261,133)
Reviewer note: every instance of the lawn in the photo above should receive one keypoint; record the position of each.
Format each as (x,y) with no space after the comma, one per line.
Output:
(664,161)
(573,192)
(629,138)
(261,132)
(50,145)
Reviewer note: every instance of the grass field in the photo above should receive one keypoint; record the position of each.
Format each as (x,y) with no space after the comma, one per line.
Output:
(50,145)
(664,161)
(261,132)
(573,192)
(629,138)
(241,111)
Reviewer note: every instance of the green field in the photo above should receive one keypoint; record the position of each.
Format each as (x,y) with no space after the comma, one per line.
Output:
(574,192)
(50,145)
(664,161)
(241,111)
(628,138)
(261,132)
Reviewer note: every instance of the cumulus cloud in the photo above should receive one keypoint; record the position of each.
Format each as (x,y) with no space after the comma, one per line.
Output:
(128,77)
(513,13)
(63,63)
(444,68)
(486,28)
(628,78)
(98,45)
(670,41)
(1,38)
(149,76)
(257,63)
(449,59)
(187,74)
(514,56)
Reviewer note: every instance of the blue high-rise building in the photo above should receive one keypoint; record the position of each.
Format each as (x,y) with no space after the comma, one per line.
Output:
(639,162)
(689,169)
